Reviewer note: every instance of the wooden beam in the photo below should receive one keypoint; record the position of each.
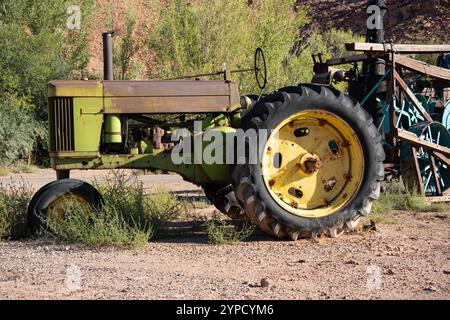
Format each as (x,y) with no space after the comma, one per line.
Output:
(344,60)
(422,67)
(411,96)
(400,48)
(441,158)
(437,182)
(414,140)
(417,169)
(445,198)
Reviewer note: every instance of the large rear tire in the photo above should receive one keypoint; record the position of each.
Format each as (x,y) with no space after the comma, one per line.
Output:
(224,199)
(327,146)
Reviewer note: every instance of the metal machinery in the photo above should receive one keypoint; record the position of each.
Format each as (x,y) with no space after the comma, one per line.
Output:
(317,169)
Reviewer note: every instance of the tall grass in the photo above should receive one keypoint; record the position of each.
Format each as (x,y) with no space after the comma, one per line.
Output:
(14,200)
(224,232)
(397,197)
(121,221)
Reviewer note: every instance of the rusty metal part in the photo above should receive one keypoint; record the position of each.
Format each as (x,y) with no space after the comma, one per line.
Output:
(312,164)
(170,96)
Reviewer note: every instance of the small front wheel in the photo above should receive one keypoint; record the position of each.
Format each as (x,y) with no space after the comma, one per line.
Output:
(53,198)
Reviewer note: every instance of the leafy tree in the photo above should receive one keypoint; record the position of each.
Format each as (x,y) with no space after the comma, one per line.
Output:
(19,129)
(205,36)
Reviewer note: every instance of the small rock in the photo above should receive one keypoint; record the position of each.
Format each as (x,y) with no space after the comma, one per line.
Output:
(390,272)
(446,271)
(353,262)
(264,282)
(301,261)
(431,289)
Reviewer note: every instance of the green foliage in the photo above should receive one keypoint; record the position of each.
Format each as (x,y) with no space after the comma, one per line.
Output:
(162,206)
(22,167)
(120,222)
(19,129)
(396,197)
(36,46)
(126,48)
(105,227)
(205,36)
(128,218)
(223,232)
(14,200)
(4,171)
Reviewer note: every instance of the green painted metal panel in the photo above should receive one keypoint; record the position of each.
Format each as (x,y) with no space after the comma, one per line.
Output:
(88,119)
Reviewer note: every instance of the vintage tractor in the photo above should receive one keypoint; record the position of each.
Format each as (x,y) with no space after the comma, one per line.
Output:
(316,169)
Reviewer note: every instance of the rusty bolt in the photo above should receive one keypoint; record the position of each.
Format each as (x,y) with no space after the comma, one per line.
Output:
(269,149)
(312,165)
(295,204)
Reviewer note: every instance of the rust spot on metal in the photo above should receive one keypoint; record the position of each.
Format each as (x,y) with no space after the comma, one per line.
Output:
(322,122)
(347,177)
(312,165)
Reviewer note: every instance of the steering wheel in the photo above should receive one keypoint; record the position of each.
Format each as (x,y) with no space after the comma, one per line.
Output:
(260,69)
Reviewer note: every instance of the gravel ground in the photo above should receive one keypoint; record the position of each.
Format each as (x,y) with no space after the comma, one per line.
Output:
(410,260)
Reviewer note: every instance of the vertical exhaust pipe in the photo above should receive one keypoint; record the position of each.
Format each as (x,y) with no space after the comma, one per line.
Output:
(112,133)
(376,68)
(108,67)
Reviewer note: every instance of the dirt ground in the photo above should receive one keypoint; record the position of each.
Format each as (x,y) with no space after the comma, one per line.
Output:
(409,260)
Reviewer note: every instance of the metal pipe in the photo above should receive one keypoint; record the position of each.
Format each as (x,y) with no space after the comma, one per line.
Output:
(108,66)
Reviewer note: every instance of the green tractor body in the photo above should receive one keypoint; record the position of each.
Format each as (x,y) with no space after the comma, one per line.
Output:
(88,123)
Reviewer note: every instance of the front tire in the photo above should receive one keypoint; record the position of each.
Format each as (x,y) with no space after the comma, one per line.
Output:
(53,195)
(310,112)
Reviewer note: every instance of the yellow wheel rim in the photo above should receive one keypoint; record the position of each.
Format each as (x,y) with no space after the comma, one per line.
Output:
(59,206)
(313,164)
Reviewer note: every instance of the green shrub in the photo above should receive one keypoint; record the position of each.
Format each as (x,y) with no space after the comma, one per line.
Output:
(4,171)
(203,36)
(396,197)
(223,232)
(22,167)
(19,129)
(121,221)
(14,199)
(105,227)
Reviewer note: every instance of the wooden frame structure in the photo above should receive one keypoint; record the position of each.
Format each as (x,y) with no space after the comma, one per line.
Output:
(396,60)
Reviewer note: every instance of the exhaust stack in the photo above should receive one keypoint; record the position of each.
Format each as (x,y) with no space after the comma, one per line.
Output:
(108,67)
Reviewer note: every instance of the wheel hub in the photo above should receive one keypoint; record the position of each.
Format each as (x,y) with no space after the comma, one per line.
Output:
(313,164)
(310,163)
